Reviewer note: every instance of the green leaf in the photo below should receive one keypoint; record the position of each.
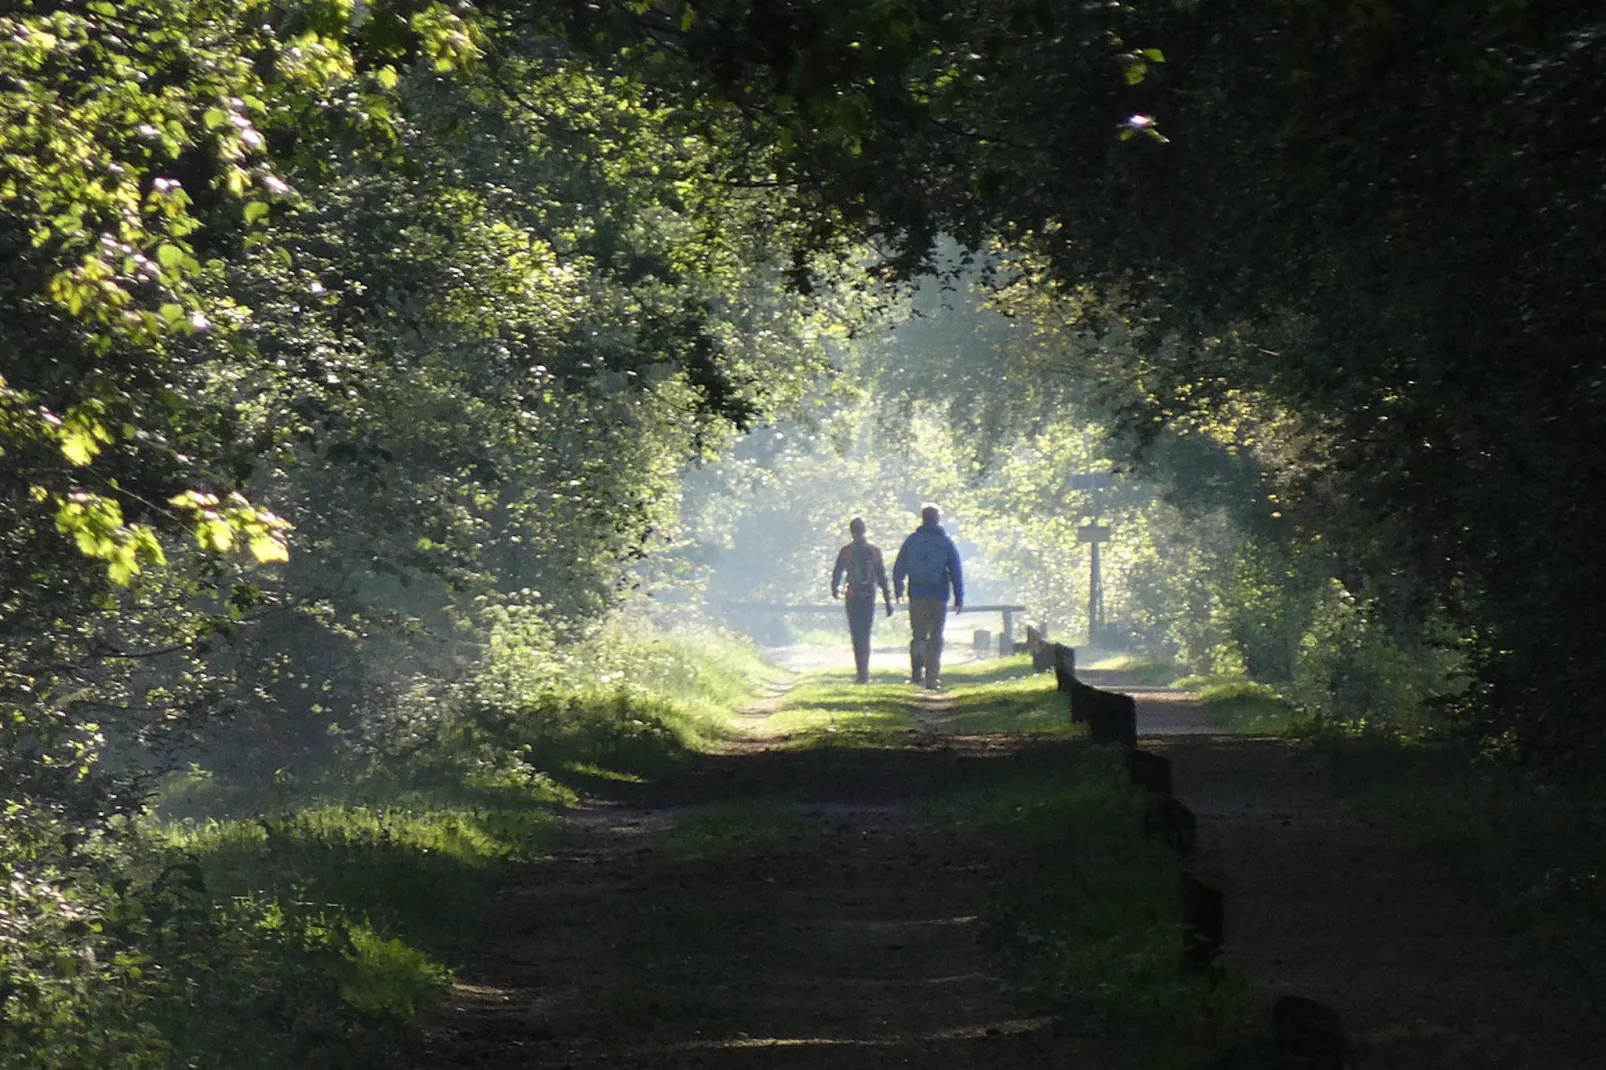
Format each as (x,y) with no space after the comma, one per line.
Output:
(78,445)
(387,77)
(121,570)
(255,210)
(270,549)
(1153,55)
(170,313)
(169,256)
(214,534)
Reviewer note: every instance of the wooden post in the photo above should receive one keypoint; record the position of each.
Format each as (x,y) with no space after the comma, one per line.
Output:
(1151,772)
(1113,718)
(1172,823)
(1203,925)
(982,642)
(1308,1034)
(1009,627)
(1037,646)
(1064,667)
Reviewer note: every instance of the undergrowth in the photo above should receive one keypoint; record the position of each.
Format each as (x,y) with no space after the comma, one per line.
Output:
(311,918)
(1535,847)
(1237,704)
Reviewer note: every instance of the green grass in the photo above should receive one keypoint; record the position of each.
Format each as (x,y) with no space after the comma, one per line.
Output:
(1534,848)
(425,876)
(822,710)
(1236,704)
(360,884)
(1083,920)
(1142,668)
(1005,696)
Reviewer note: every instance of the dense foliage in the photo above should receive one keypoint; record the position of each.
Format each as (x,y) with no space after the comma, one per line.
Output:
(335,336)
(1364,235)
(343,340)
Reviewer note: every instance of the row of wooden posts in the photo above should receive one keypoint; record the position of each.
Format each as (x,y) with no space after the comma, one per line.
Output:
(1304,1033)
(1111,718)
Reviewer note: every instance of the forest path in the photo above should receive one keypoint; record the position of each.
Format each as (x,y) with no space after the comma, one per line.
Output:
(1322,905)
(812,916)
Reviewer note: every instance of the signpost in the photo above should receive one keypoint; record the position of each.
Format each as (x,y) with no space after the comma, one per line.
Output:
(1093,533)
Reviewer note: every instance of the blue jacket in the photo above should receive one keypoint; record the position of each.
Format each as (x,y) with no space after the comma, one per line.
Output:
(929,560)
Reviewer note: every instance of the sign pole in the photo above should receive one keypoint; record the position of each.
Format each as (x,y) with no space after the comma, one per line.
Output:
(1095,599)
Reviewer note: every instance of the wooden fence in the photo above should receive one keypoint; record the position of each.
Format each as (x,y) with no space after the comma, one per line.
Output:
(1111,718)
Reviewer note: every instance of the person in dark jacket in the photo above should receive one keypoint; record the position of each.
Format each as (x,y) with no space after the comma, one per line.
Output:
(929,561)
(860,562)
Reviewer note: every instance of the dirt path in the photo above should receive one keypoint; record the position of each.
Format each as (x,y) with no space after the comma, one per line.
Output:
(851,941)
(1325,906)
(848,937)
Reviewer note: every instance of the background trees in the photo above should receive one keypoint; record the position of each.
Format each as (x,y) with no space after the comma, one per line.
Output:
(1367,227)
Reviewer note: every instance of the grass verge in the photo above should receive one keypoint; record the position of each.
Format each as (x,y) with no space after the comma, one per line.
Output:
(1141,668)
(354,890)
(1083,919)
(1236,704)
(822,710)
(1004,696)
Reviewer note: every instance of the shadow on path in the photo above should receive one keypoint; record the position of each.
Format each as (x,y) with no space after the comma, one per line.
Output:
(842,932)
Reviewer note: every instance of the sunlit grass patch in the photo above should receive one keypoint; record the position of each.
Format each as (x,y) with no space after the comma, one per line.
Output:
(1236,704)
(987,670)
(424,875)
(831,712)
(597,771)
(1141,668)
(1022,703)
(739,830)
(388,973)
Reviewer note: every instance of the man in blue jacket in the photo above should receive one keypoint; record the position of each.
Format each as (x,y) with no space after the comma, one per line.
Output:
(929,561)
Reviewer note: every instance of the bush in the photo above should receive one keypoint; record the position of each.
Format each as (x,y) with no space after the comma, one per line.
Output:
(627,700)
(116,953)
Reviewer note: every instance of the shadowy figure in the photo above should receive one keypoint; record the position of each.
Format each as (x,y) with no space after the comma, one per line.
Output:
(860,561)
(929,561)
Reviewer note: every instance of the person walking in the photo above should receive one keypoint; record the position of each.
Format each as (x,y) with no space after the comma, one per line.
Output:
(860,562)
(929,560)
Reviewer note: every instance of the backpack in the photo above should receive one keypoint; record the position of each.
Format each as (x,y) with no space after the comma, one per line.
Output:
(861,569)
(925,559)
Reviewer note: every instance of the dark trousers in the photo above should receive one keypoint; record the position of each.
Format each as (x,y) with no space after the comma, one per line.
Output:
(861,617)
